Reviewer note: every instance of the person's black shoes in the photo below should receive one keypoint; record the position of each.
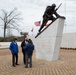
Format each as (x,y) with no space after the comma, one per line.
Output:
(30,66)
(26,66)
(17,64)
(13,65)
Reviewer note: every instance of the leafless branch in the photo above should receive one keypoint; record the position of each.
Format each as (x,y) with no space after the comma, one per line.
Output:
(12,18)
(11,12)
(14,27)
(4,11)
(1,18)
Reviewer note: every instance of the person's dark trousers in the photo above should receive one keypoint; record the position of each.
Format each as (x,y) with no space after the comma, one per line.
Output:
(24,59)
(52,18)
(14,59)
(28,61)
(43,24)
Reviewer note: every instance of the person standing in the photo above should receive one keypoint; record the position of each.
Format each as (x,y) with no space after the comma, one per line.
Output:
(14,50)
(29,52)
(23,44)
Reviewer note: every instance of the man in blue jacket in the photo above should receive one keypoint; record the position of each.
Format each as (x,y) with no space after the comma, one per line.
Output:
(14,51)
(29,52)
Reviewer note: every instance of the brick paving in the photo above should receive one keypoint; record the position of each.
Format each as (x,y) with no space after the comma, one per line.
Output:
(66,65)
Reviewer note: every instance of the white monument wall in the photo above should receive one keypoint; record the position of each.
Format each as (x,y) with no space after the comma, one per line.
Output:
(48,43)
(68,40)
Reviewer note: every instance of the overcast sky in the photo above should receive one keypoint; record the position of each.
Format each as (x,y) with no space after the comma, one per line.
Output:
(32,10)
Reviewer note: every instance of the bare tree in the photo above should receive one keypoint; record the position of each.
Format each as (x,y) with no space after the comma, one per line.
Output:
(10,20)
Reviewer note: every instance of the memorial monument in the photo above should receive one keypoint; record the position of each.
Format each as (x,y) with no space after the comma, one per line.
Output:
(48,43)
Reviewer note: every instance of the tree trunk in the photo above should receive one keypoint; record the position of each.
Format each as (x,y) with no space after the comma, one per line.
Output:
(4,33)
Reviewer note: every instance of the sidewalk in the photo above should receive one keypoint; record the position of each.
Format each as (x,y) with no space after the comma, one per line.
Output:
(66,65)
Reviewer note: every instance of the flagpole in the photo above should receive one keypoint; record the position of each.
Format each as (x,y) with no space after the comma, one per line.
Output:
(32,30)
(65,15)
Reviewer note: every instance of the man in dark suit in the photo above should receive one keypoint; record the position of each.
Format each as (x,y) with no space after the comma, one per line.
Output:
(23,44)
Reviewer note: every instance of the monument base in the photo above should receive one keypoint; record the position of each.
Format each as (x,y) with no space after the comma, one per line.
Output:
(48,43)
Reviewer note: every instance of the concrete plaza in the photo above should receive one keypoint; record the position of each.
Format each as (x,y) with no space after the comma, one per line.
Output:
(66,65)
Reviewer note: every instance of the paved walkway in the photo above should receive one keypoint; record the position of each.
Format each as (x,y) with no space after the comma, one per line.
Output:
(66,65)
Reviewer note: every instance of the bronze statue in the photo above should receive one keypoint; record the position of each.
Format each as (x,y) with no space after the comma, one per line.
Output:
(48,15)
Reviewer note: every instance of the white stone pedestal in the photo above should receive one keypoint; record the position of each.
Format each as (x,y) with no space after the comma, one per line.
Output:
(47,44)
